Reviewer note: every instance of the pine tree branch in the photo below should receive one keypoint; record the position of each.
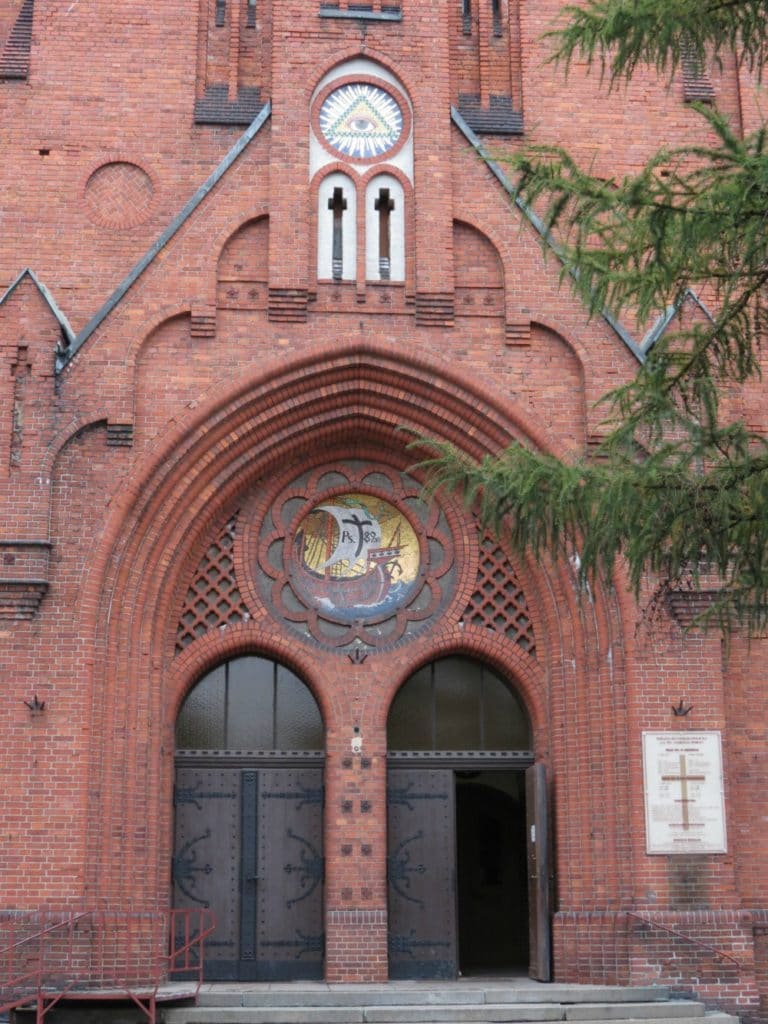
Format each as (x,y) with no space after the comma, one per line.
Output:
(619,35)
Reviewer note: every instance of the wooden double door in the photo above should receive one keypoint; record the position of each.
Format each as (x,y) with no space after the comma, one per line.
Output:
(468,872)
(249,846)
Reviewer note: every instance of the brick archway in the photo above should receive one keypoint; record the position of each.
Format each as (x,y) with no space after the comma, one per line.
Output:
(361,400)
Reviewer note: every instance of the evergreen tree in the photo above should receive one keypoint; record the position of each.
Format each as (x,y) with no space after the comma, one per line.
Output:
(679,488)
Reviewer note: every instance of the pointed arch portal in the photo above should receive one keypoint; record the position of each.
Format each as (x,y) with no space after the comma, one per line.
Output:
(241,453)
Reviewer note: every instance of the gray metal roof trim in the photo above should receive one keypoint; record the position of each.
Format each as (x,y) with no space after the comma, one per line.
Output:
(48,298)
(537,224)
(179,220)
(668,316)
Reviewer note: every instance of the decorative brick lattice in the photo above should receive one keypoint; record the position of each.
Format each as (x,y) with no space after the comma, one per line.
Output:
(119,195)
(498,602)
(213,599)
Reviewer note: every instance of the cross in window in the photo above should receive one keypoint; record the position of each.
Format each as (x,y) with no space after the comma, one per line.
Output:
(384,205)
(337,204)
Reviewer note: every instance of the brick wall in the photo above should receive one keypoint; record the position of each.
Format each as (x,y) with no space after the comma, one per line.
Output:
(195,392)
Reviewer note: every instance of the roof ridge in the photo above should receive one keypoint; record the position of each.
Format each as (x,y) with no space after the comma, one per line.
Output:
(66,329)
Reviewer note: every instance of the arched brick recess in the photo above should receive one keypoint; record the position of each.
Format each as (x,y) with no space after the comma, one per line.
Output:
(355,400)
(371,56)
(242,271)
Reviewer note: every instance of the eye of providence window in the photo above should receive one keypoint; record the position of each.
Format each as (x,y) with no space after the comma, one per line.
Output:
(361,121)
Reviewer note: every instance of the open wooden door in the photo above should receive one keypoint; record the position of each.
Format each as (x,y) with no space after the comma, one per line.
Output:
(538,873)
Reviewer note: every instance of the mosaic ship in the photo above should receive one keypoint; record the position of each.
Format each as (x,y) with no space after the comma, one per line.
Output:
(347,567)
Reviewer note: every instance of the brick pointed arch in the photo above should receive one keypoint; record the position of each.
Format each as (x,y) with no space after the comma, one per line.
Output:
(364,396)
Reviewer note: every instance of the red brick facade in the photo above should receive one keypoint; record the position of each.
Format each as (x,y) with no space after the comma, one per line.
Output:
(172,358)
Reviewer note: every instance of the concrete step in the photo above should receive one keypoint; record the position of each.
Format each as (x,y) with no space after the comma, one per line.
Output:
(419,993)
(489,1013)
(672,1009)
(670,1012)
(705,1018)
(252,1015)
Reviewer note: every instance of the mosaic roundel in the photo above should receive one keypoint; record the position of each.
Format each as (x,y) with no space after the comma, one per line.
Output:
(357,557)
(350,556)
(361,121)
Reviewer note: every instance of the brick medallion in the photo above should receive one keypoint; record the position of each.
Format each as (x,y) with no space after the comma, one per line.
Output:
(119,194)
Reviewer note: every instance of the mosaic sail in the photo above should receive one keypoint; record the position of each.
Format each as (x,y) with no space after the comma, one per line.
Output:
(357,557)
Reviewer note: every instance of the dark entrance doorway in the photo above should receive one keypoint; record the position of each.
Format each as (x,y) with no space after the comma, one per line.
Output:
(249,814)
(462,851)
(491,872)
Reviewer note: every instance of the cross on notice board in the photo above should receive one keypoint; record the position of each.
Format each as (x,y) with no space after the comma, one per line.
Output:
(684,778)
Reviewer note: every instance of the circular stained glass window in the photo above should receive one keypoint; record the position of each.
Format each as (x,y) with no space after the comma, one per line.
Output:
(361,121)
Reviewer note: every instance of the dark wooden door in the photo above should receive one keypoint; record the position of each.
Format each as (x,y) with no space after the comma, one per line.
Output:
(538,872)
(421,873)
(249,846)
(289,887)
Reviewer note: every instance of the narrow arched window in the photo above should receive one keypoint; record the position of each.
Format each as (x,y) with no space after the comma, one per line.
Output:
(496,12)
(457,703)
(385,229)
(466,17)
(250,703)
(336,229)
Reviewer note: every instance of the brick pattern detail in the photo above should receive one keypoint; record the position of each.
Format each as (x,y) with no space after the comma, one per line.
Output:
(518,333)
(498,602)
(685,605)
(202,325)
(499,117)
(24,569)
(213,598)
(288,305)
(434,309)
(215,107)
(697,84)
(356,945)
(20,599)
(119,435)
(14,60)
(119,194)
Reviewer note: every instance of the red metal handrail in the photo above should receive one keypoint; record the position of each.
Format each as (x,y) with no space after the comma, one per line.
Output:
(92,954)
(719,954)
(188,957)
(30,950)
